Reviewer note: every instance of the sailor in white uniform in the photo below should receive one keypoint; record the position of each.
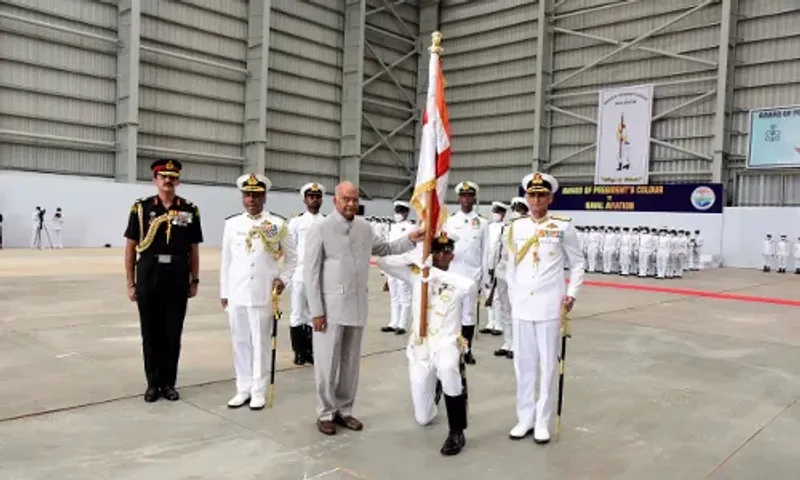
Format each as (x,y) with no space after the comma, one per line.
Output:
(58,228)
(470,229)
(496,314)
(435,363)
(768,252)
(253,242)
(538,248)
(399,290)
(300,330)
(782,253)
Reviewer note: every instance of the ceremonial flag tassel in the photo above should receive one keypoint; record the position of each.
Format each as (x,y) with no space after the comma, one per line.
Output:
(433,167)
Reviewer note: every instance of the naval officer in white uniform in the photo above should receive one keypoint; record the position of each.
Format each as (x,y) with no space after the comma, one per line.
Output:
(300,331)
(470,229)
(252,244)
(399,289)
(538,248)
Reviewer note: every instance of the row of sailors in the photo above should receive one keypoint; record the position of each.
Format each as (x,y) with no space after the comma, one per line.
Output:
(776,254)
(650,252)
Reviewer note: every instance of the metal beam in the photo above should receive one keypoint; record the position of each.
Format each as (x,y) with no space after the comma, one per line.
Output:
(388,71)
(255,93)
(543,77)
(671,83)
(384,140)
(619,43)
(685,104)
(352,90)
(635,42)
(586,11)
(428,23)
(68,141)
(180,56)
(725,83)
(129,16)
(59,28)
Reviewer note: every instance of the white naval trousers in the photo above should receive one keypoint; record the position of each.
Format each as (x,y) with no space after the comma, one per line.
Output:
(423,372)
(501,313)
(782,261)
(251,330)
(535,358)
(767,260)
(662,264)
(57,238)
(644,262)
(300,314)
(625,262)
(400,299)
(593,254)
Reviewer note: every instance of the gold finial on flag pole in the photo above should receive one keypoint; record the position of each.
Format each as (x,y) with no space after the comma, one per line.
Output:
(436,42)
(436,47)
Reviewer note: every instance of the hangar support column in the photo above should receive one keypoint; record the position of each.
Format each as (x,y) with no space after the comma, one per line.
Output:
(352,90)
(256,87)
(127,104)
(726,64)
(544,72)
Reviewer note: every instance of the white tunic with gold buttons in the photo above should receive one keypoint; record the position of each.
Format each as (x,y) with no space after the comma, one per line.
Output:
(470,229)
(251,248)
(537,252)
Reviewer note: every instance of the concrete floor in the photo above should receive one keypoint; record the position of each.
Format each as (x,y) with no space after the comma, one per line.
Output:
(659,386)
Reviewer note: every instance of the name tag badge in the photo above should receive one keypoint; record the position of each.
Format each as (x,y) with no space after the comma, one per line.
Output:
(165,259)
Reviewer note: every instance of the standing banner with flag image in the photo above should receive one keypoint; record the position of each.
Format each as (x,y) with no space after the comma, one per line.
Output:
(433,166)
(623,136)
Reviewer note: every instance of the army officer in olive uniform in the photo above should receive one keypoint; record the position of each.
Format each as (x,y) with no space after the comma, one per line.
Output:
(165,231)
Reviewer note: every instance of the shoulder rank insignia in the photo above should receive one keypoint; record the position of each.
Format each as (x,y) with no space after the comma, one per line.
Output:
(232,215)
(561,217)
(278,215)
(551,225)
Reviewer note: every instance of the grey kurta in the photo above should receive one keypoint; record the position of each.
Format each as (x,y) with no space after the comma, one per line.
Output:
(336,269)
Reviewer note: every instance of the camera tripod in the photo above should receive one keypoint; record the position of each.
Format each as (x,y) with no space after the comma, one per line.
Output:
(37,239)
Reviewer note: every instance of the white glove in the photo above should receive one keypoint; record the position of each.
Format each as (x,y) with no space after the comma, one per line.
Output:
(428,263)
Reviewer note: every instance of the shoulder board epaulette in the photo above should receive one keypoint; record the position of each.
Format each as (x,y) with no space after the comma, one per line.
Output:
(453,214)
(481,215)
(515,219)
(299,214)
(278,215)
(561,217)
(187,202)
(232,215)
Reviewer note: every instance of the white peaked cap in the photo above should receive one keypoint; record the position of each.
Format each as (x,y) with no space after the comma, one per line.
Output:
(518,200)
(466,186)
(254,182)
(500,205)
(544,177)
(400,203)
(312,186)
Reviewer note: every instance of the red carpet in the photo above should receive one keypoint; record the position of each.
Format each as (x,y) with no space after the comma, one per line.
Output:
(688,292)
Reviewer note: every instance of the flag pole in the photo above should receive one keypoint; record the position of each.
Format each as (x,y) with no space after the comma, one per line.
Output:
(435,48)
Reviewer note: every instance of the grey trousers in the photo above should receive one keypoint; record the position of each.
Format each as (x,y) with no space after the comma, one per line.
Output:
(337,359)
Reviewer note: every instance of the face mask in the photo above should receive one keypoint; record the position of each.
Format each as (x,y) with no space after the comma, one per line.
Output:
(496,217)
(398,217)
(515,214)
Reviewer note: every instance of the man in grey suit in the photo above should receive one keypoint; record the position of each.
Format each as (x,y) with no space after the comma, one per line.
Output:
(337,254)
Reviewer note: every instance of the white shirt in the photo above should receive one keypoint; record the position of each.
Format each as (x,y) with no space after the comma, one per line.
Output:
(58,222)
(470,229)
(783,248)
(399,230)
(447,294)
(493,252)
(248,266)
(797,249)
(626,243)
(298,227)
(537,252)
(768,248)
(663,244)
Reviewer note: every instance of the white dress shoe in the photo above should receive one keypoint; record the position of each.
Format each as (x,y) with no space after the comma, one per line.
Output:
(257,402)
(239,400)
(541,435)
(519,432)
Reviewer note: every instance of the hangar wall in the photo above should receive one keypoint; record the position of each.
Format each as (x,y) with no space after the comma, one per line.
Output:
(524,77)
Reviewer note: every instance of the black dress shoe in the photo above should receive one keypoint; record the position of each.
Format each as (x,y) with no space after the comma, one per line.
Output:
(151,394)
(501,352)
(170,394)
(454,443)
(469,359)
(387,329)
(510,354)
(400,331)
(299,358)
(497,333)
(485,330)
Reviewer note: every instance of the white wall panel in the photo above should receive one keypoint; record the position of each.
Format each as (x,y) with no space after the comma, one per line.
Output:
(188,104)
(303,112)
(57,87)
(489,63)
(767,75)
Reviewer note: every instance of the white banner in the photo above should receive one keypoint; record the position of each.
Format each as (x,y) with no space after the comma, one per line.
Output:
(623,136)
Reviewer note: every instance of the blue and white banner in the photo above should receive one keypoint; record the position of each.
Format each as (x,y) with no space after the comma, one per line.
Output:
(774,138)
(679,198)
